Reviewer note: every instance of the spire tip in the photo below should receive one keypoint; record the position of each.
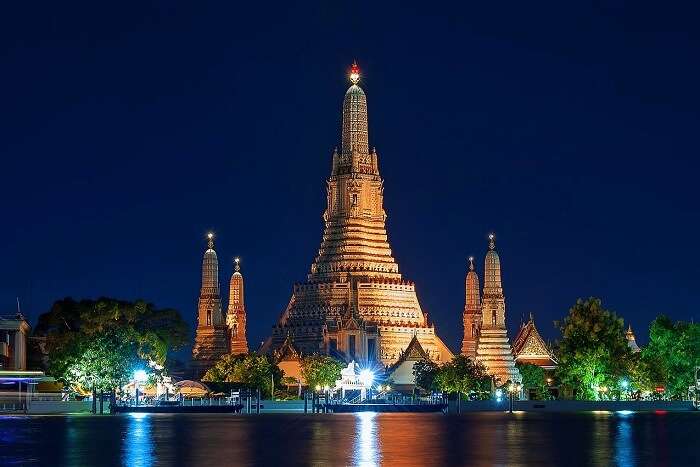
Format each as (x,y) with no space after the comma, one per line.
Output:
(354,72)
(492,241)
(210,237)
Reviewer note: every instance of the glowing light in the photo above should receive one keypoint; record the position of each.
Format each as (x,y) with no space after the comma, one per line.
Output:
(367,377)
(140,376)
(625,412)
(491,236)
(499,393)
(318,387)
(387,388)
(354,73)
(237,259)
(326,388)
(624,383)
(210,235)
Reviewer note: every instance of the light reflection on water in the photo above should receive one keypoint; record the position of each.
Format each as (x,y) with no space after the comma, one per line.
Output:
(138,442)
(611,438)
(366,450)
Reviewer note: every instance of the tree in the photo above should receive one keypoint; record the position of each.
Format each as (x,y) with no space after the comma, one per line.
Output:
(100,343)
(251,370)
(320,370)
(462,375)
(534,378)
(425,372)
(100,363)
(593,351)
(671,355)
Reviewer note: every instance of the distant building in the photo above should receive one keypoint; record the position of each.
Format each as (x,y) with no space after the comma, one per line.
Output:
(14,330)
(631,340)
(216,334)
(529,347)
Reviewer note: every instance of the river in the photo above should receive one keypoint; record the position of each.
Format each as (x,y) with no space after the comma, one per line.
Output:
(479,439)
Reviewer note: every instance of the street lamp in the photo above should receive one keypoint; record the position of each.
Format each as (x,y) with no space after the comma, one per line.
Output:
(512,389)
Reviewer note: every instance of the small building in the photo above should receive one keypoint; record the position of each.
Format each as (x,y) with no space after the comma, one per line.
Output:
(401,372)
(529,347)
(14,330)
(288,360)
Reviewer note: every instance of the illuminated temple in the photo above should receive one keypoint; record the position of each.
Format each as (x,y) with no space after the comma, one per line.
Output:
(355,304)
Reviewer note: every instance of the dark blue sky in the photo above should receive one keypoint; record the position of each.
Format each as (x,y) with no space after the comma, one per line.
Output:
(128,131)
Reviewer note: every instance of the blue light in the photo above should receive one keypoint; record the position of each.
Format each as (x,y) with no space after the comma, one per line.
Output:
(141,376)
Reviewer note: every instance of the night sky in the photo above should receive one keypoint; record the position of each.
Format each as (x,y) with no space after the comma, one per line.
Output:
(129,131)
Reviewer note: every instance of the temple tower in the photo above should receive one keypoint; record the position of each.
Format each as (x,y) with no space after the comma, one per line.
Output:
(471,317)
(235,316)
(210,339)
(493,348)
(354,303)
(631,340)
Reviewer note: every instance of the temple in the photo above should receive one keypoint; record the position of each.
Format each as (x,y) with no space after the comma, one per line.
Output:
(493,348)
(529,347)
(355,302)
(235,316)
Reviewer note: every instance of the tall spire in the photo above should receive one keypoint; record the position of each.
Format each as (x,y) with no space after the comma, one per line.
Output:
(473,299)
(355,135)
(210,269)
(210,337)
(236,314)
(471,317)
(492,270)
(493,349)
(354,239)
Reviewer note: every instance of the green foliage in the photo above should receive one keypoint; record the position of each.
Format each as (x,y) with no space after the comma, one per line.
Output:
(100,343)
(425,372)
(251,370)
(671,356)
(321,370)
(463,375)
(534,377)
(593,351)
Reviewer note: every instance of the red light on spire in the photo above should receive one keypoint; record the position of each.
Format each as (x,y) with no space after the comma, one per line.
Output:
(354,72)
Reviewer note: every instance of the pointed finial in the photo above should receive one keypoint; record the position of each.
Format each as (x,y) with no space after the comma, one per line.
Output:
(210,243)
(237,260)
(354,72)
(492,241)
(471,263)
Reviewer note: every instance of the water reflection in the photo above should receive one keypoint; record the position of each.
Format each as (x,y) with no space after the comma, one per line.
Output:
(528,439)
(138,442)
(624,447)
(365,448)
